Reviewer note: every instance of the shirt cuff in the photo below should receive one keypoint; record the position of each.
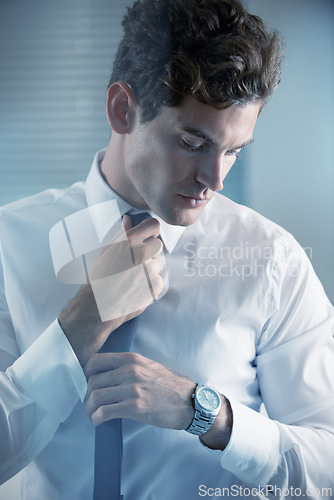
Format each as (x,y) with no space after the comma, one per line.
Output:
(49,373)
(253,451)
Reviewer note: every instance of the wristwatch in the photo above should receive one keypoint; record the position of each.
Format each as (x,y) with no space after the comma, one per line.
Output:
(207,404)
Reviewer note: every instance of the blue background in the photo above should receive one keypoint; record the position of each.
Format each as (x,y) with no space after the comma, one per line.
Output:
(55,60)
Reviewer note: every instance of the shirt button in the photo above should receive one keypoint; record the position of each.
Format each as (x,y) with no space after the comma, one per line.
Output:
(244,467)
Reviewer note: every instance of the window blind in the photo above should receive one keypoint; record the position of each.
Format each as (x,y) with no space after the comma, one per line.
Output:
(55,63)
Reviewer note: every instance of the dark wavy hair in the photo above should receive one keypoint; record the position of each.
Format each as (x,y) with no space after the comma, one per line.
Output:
(212,50)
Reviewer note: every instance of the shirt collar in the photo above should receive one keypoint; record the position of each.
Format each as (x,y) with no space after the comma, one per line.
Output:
(99,193)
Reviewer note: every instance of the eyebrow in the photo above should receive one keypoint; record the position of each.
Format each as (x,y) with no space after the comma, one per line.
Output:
(211,140)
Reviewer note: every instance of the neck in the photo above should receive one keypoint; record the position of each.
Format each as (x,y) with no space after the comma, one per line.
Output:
(114,173)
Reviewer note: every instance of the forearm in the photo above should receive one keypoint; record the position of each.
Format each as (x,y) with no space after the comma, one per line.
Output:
(117,290)
(219,434)
(26,429)
(82,325)
(263,452)
(37,392)
(307,450)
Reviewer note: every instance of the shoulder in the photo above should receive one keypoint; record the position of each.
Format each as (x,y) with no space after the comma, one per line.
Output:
(243,231)
(43,208)
(226,217)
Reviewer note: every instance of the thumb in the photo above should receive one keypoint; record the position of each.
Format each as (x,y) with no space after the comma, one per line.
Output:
(126,226)
(127,222)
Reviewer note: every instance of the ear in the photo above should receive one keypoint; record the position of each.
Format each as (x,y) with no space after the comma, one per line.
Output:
(121,107)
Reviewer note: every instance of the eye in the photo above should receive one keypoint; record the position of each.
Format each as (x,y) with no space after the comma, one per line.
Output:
(192,144)
(234,152)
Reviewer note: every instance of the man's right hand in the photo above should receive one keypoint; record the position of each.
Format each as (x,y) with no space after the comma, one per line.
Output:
(123,282)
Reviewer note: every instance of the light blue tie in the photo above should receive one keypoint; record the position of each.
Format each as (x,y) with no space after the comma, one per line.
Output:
(108,436)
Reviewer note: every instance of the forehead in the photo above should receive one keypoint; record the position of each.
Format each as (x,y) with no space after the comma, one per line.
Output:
(235,123)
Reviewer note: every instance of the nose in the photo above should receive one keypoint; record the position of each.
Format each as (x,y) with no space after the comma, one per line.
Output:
(213,171)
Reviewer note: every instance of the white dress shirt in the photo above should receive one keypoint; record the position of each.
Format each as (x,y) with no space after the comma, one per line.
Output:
(244,313)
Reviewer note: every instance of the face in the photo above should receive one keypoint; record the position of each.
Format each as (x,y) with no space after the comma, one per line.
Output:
(174,164)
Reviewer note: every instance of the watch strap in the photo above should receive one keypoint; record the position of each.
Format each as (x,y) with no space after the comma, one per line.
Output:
(202,420)
(200,423)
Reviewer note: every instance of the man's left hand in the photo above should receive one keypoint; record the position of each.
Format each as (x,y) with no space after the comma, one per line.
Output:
(128,385)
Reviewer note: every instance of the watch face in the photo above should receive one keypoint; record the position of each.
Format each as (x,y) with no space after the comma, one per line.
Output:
(208,398)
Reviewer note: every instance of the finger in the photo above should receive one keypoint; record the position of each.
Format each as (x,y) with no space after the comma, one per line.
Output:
(111,396)
(146,229)
(155,267)
(102,380)
(101,362)
(155,281)
(143,239)
(106,361)
(122,233)
(101,398)
(150,248)
(125,373)
(108,412)
(155,245)
(158,264)
(127,222)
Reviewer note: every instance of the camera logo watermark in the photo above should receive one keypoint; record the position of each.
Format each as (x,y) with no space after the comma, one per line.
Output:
(80,238)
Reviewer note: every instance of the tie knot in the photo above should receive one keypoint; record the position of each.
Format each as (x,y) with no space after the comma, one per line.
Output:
(137,218)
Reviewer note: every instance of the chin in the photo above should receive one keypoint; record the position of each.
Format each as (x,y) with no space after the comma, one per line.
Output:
(184,218)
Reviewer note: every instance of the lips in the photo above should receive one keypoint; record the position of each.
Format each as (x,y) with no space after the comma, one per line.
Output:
(194,201)
(194,197)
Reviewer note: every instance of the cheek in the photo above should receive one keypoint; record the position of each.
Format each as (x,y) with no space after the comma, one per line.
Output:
(158,164)
(229,164)
(181,166)
(165,167)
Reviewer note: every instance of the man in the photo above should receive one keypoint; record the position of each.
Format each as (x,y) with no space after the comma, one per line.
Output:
(244,314)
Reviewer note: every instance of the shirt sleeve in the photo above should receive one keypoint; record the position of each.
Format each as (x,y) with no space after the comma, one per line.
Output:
(38,391)
(293,448)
